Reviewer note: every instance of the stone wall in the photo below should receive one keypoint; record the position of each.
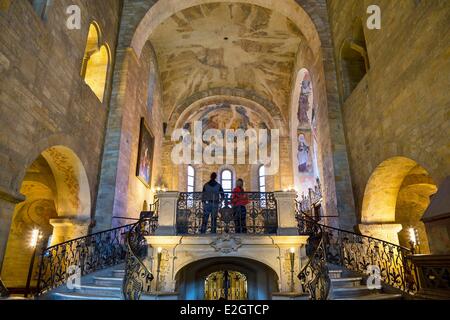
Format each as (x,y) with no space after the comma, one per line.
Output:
(122,194)
(401,107)
(43,100)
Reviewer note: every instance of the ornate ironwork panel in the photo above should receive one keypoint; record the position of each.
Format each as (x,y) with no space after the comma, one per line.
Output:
(87,254)
(353,251)
(247,212)
(138,277)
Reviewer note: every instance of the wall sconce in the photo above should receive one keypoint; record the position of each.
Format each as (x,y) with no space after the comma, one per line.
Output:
(158,267)
(414,240)
(292,258)
(36,235)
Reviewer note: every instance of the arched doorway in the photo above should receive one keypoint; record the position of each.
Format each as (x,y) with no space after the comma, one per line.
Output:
(396,197)
(226,278)
(57,204)
(226,285)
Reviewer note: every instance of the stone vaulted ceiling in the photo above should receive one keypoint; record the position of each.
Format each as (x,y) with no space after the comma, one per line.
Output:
(225,45)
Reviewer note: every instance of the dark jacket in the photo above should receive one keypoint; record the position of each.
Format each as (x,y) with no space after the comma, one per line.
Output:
(213,192)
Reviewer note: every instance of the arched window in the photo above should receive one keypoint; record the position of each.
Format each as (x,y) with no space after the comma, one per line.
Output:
(96,62)
(226,179)
(262,179)
(354,60)
(190,179)
(40,7)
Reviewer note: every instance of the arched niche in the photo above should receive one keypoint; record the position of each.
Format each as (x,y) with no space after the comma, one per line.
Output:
(396,196)
(57,203)
(304,133)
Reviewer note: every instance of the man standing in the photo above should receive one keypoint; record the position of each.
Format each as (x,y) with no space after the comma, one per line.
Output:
(212,197)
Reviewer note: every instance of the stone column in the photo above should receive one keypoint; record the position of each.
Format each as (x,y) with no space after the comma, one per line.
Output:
(164,279)
(287,224)
(383,231)
(8,201)
(167,213)
(285,244)
(68,228)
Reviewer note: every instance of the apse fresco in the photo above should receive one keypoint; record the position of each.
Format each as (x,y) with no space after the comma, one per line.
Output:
(225,116)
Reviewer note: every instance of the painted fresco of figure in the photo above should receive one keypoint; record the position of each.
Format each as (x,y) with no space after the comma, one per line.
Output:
(304,107)
(302,154)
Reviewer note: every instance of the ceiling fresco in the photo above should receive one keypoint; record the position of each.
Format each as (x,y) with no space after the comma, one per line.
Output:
(226,45)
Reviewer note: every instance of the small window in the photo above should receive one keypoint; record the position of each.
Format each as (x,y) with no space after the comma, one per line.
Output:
(191,179)
(96,62)
(262,179)
(227,180)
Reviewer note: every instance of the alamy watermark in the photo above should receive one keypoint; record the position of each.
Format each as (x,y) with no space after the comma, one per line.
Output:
(213,147)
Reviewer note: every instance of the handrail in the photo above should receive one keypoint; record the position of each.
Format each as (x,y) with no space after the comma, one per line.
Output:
(138,277)
(364,254)
(81,256)
(314,275)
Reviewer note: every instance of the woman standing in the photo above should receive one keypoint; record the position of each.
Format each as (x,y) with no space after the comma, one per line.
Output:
(239,200)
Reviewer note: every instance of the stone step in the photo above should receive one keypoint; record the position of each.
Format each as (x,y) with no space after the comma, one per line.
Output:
(351,292)
(80,296)
(346,282)
(118,273)
(377,296)
(96,290)
(335,274)
(108,281)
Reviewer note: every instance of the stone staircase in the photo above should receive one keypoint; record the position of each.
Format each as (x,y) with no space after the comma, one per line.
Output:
(107,285)
(102,285)
(347,285)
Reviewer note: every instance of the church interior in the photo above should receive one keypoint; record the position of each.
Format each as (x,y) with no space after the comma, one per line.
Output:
(115,113)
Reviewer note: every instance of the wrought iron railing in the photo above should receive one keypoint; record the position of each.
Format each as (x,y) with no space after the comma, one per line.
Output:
(138,277)
(314,276)
(359,253)
(84,255)
(247,212)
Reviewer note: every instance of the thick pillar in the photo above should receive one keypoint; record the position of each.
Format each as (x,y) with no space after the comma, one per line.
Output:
(8,201)
(69,228)
(287,223)
(167,218)
(437,220)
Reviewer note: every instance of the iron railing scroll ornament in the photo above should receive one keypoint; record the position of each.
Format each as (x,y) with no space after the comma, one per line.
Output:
(81,256)
(138,277)
(355,252)
(85,255)
(314,275)
(259,217)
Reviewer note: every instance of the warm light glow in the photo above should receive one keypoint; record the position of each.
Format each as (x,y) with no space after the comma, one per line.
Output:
(34,238)
(160,250)
(412,236)
(292,250)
